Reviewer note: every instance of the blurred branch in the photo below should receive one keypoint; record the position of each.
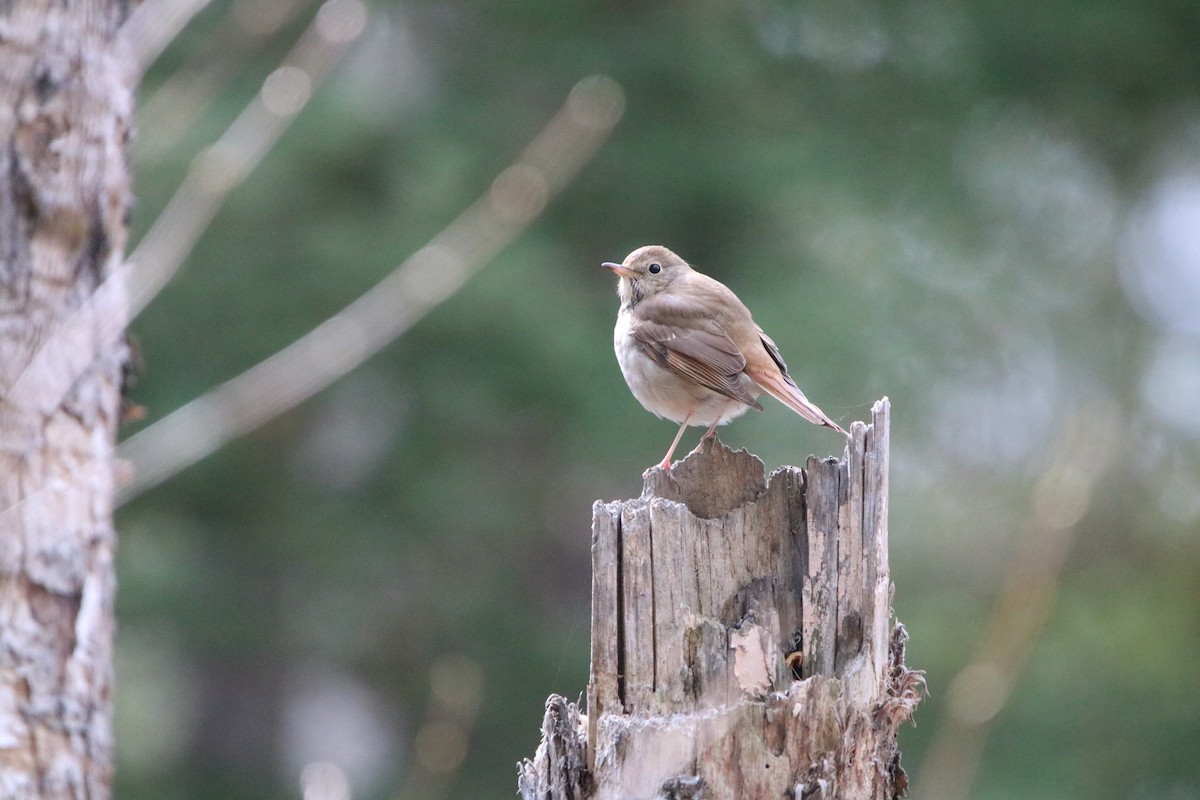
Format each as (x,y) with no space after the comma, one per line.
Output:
(425,279)
(442,740)
(224,165)
(323,780)
(168,112)
(154,24)
(981,690)
(103,316)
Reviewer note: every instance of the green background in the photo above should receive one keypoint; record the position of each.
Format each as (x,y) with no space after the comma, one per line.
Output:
(987,211)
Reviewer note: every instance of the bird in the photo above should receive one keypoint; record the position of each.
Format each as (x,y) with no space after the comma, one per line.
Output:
(689,349)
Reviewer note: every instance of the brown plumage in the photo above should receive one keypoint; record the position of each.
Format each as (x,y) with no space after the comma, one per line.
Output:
(689,349)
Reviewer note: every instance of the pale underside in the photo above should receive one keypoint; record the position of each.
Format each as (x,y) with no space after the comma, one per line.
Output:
(666,393)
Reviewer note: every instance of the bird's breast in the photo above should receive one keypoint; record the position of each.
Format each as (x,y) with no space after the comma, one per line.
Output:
(666,393)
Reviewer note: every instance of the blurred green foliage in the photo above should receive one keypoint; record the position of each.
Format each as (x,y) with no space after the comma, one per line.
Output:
(989,211)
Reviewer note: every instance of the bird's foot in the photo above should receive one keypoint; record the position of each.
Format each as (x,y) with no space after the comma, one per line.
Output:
(665,466)
(649,472)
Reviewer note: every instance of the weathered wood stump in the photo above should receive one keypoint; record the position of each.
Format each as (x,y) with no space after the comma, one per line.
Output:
(742,644)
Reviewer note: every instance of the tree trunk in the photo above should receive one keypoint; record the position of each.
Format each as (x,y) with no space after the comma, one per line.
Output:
(742,644)
(65,117)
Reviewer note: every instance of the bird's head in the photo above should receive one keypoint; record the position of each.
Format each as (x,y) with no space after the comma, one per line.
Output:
(646,272)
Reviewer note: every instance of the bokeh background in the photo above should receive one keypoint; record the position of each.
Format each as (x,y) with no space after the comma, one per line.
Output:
(987,211)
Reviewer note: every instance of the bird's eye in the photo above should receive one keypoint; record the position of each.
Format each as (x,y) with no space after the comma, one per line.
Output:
(655,269)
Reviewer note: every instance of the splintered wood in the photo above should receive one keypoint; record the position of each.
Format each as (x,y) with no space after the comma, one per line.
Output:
(742,643)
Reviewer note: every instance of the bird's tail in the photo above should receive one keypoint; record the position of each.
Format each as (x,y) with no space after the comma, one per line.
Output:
(783,389)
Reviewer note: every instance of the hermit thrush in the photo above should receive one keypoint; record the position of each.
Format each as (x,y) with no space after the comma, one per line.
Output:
(689,349)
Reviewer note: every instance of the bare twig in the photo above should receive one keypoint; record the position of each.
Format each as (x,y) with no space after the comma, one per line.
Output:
(429,276)
(1019,615)
(224,165)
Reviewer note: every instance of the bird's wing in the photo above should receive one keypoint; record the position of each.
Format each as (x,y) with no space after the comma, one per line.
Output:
(698,350)
(773,351)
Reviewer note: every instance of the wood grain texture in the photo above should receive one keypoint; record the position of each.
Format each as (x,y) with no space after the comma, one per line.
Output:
(702,588)
(65,113)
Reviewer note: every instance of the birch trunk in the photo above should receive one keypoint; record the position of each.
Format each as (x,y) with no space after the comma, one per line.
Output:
(742,642)
(65,115)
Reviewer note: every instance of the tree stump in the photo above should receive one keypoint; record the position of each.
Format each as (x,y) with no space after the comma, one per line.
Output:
(742,644)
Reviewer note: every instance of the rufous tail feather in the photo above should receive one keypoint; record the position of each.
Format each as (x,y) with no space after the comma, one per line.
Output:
(790,395)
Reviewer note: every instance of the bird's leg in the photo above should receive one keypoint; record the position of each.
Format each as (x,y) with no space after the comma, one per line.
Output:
(666,462)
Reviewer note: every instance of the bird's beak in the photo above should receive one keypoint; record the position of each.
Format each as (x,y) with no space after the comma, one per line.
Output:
(619,270)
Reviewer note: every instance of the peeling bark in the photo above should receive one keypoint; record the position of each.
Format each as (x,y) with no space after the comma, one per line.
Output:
(742,642)
(65,114)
